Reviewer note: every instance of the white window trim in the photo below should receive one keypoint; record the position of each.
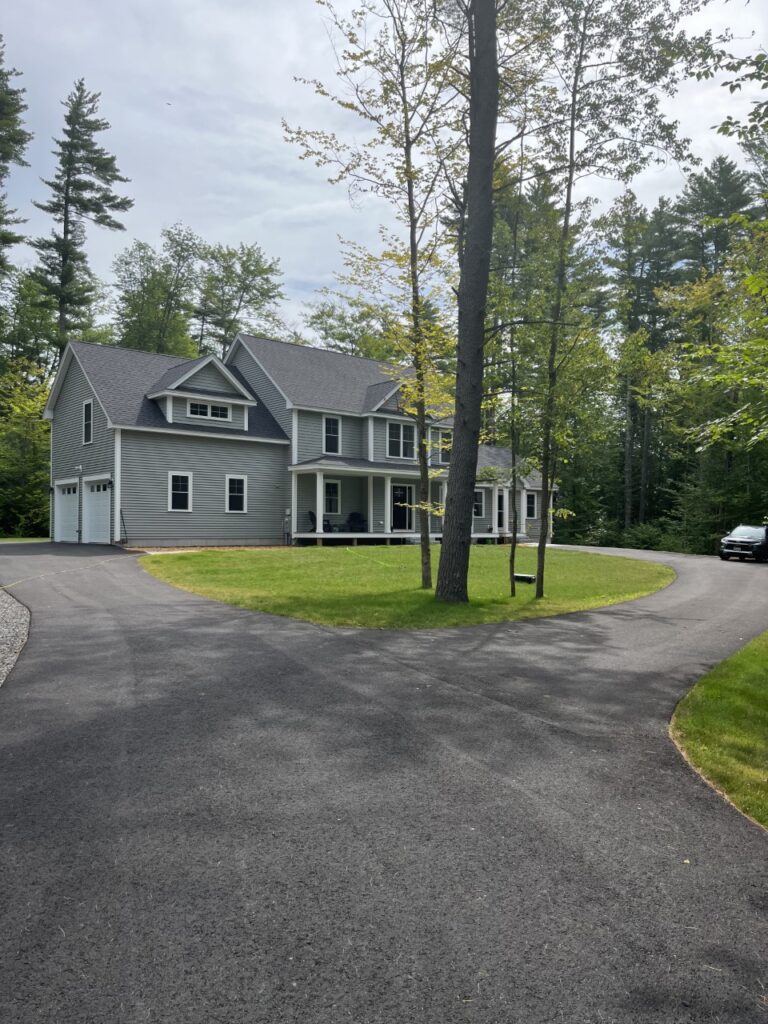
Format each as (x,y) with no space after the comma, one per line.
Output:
(235,511)
(326,481)
(481,492)
(338,420)
(179,472)
(532,494)
(88,401)
(207,402)
(401,457)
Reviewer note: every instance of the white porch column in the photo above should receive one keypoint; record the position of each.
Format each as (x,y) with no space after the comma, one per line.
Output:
(523,509)
(505,499)
(294,503)
(387,504)
(319,502)
(495,501)
(370,503)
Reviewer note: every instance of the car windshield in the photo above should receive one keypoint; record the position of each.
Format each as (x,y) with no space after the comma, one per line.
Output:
(749,532)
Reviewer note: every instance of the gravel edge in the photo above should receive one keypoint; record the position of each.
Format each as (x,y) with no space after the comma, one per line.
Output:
(14,630)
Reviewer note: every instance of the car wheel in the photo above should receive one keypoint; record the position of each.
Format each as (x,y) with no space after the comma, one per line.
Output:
(724,557)
(760,558)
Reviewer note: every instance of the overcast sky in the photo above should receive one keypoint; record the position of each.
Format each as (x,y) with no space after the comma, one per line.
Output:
(195,91)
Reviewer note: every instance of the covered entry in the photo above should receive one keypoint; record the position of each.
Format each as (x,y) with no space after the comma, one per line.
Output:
(96,511)
(65,511)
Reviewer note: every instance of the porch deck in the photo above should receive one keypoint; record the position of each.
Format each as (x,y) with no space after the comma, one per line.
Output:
(410,537)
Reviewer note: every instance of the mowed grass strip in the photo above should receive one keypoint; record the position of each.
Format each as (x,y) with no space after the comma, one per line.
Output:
(378,587)
(722,725)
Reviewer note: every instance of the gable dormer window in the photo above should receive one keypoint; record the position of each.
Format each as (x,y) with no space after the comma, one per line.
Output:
(331,435)
(209,411)
(87,422)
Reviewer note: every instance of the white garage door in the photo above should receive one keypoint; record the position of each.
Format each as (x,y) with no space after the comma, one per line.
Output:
(65,513)
(96,512)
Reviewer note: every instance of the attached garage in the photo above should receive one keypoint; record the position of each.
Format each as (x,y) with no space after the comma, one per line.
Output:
(65,513)
(96,511)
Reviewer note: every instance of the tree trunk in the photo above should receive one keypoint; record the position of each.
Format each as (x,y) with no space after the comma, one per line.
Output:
(548,419)
(645,466)
(628,439)
(473,292)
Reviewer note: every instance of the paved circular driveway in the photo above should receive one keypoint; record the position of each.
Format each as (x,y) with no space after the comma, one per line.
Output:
(215,816)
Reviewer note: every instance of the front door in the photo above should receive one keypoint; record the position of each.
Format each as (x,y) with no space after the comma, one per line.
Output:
(402,510)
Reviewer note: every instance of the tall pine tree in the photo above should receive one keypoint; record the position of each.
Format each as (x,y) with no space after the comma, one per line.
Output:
(81,190)
(13,141)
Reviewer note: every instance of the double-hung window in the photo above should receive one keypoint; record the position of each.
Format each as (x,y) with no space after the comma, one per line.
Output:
(237,494)
(401,441)
(332,497)
(87,422)
(478,505)
(331,435)
(530,506)
(179,492)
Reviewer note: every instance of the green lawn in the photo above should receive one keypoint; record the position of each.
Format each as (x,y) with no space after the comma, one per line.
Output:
(722,725)
(378,586)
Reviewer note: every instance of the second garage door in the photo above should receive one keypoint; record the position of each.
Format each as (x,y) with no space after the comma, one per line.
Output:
(96,512)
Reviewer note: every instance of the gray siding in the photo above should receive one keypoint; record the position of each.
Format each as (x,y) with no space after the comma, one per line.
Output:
(263,387)
(209,379)
(67,448)
(148,458)
(483,524)
(180,416)
(378,505)
(311,440)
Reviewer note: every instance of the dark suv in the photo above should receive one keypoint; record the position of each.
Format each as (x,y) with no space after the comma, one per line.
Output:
(745,542)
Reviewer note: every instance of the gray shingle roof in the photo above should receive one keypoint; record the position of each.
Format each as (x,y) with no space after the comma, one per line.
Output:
(318,378)
(122,378)
(491,455)
(173,373)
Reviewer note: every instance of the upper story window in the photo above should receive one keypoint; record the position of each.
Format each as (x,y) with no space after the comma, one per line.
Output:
(442,442)
(209,411)
(478,505)
(331,435)
(87,422)
(401,441)
(530,506)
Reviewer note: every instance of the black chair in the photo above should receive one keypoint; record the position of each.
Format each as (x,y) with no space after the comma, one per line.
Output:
(356,523)
(327,528)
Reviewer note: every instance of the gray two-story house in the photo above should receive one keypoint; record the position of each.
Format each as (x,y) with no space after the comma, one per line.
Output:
(276,444)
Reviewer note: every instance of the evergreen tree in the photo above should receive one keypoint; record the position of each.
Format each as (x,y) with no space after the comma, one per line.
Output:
(13,142)
(81,190)
(709,200)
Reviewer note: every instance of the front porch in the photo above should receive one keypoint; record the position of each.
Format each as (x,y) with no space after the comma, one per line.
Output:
(342,506)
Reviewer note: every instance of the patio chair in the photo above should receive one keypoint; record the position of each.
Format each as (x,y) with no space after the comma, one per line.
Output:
(356,523)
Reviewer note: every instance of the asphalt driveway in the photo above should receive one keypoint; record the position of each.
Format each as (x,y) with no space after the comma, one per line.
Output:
(215,816)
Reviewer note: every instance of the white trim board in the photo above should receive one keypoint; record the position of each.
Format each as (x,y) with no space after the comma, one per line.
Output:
(203,433)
